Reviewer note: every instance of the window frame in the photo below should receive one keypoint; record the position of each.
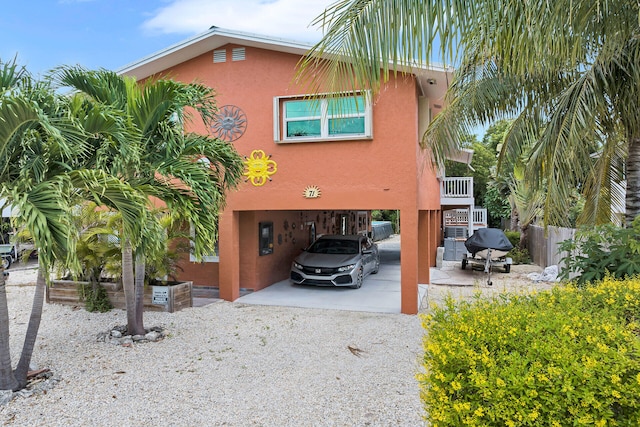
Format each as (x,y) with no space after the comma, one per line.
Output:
(280,119)
(206,258)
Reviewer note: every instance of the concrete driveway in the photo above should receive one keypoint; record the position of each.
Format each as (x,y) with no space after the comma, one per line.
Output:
(379,293)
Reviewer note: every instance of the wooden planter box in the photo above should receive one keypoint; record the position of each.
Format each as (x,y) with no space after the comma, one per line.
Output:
(178,295)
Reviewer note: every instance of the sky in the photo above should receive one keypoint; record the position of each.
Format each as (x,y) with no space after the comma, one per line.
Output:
(44,34)
(111,34)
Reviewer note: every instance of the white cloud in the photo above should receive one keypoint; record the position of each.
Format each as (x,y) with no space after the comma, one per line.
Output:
(289,19)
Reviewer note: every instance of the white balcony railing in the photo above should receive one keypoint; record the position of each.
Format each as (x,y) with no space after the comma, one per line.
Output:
(456,187)
(479,217)
(460,217)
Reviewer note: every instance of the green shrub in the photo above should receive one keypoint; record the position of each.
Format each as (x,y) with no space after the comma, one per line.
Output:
(598,251)
(519,256)
(514,237)
(95,298)
(570,356)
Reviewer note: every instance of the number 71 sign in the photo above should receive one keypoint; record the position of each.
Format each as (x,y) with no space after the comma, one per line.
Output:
(311,192)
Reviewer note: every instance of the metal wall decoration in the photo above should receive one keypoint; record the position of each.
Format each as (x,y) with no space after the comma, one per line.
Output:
(229,123)
(259,167)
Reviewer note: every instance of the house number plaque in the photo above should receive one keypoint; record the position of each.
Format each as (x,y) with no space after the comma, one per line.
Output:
(311,192)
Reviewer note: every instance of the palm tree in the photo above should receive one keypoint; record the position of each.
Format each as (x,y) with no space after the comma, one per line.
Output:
(39,147)
(149,148)
(26,134)
(568,70)
(526,201)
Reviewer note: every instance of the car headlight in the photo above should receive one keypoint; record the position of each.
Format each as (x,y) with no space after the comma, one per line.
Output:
(298,266)
(346,267)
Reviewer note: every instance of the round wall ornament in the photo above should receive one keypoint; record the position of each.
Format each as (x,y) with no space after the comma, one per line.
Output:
(259,167)
(229,123)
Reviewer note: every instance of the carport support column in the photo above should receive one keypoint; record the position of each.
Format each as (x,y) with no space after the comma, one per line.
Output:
(424,246)
(229,248)
(409,261)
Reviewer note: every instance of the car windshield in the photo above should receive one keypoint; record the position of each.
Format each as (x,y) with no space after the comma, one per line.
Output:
(334,246)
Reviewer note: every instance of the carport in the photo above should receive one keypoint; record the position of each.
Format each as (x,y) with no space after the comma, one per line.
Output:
(380,292)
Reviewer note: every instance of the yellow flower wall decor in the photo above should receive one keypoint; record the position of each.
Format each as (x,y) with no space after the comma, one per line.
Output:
(259,167)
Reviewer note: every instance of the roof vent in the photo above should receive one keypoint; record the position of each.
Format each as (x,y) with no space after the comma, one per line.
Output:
(219,56)
(238,54)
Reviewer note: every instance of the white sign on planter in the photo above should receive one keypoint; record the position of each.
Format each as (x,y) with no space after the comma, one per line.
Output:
(160,295)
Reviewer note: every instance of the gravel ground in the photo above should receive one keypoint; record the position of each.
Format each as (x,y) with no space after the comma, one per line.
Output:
(231,364)
(225,364)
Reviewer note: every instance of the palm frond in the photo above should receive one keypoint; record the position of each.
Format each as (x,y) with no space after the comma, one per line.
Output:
(44,213)
(104,189)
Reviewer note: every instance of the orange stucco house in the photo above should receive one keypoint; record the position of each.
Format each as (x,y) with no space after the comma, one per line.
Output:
(308,172)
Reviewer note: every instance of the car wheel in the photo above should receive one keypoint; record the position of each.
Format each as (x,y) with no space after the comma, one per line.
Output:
(359,279)
(6,262)
(377,266)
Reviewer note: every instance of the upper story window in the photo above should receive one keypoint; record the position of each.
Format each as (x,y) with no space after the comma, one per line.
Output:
(301,119)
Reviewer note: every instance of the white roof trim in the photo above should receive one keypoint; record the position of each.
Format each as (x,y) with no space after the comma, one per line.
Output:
(203,43)
(216,37)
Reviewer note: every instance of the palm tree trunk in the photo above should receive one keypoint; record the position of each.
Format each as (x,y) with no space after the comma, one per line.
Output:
(513,220)
(128,285)
(32,331)
(632,202)
(524,237)
(139,281)
(7,379)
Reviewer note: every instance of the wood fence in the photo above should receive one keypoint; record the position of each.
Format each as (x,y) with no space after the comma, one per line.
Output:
(544,249)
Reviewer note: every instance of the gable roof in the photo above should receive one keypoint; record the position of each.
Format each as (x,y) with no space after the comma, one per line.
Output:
(429,78)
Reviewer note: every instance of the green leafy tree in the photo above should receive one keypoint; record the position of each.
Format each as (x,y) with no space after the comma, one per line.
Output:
(567,70)
(480,169)
(497,205)
(147,146)
(494,136)
(392,216)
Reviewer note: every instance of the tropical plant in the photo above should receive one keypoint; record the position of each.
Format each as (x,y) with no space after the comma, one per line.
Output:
(147,146)
(597,252)
(40,145)
(568,71)
(527,201)
(175,243)
(96,243)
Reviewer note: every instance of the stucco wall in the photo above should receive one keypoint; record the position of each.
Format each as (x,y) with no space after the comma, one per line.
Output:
(387,171)
(381,173)
(291,236)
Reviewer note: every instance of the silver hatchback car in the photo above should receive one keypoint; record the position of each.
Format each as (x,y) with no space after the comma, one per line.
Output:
(336,261)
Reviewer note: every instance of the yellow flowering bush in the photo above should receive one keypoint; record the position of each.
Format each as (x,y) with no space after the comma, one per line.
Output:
(569,356)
